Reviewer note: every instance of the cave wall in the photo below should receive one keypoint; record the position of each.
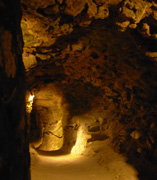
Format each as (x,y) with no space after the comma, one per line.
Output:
(102,56)
(48,118)
(14,152)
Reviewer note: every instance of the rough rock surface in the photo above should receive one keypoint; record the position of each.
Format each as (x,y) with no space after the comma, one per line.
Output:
(49,116)
(14,151)
(102,56)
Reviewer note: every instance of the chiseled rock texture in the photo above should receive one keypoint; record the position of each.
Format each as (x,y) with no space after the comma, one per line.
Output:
(102,56)
(14,152)
(49,116)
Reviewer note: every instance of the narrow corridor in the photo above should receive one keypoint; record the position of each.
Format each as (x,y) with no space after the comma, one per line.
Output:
(98,162)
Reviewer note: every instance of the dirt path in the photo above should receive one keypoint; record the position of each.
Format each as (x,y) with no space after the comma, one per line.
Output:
(98,162)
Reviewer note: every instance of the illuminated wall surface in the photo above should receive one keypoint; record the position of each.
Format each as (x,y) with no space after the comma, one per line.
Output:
(90,72)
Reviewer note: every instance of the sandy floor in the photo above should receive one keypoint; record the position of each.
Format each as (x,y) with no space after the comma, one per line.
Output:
(98,162)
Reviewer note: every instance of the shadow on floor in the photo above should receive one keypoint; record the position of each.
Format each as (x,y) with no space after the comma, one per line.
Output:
(147,168)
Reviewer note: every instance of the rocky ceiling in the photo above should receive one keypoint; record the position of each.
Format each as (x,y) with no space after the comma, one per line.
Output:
(54,30)
(101,55)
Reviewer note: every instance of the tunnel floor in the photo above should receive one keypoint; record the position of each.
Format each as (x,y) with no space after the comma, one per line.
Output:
(98,162)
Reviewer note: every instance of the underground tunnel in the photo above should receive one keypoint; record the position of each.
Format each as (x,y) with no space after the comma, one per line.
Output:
(78,89)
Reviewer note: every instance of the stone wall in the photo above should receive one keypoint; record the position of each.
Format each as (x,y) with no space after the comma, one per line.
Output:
(48,118)
(14,152)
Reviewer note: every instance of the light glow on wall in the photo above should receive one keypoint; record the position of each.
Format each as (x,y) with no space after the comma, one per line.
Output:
(29,103)
(31,97)
(81,141)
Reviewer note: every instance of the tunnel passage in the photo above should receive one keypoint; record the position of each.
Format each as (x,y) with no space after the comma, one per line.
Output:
(101,55)
(60,120)
(107,45)
(48,118)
